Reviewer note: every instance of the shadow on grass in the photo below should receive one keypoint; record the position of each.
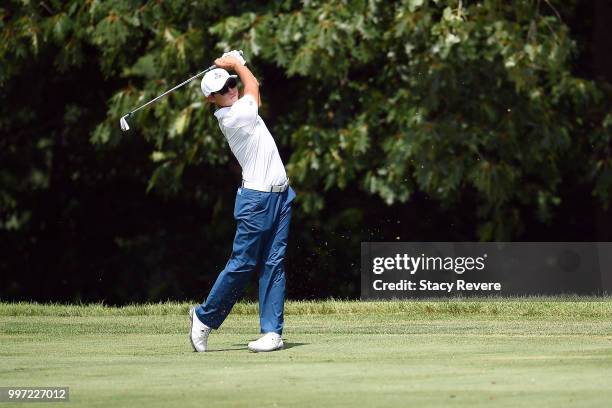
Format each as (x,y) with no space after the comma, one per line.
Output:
(228,349)
(286,345)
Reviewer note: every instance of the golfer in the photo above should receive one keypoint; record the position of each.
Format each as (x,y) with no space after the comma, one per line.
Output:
(262,211)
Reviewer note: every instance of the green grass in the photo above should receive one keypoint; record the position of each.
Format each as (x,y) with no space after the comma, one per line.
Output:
(542,352)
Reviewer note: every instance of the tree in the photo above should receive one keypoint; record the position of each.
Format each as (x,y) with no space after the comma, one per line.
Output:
(451,98)
(471,105)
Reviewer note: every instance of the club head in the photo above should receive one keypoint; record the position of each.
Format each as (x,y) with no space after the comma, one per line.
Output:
(123,123)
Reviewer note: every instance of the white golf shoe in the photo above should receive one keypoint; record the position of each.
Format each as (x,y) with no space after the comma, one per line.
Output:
(268,342)
(198,333)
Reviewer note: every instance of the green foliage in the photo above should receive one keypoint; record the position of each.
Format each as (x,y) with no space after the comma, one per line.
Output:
(451,99)
(442,97)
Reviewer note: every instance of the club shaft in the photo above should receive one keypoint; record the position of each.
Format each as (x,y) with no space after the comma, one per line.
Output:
(176,87)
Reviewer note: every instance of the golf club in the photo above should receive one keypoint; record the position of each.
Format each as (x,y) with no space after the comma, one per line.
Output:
(123,121)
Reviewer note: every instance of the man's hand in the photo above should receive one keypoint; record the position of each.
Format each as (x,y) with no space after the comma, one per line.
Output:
(227,62)
(237,54)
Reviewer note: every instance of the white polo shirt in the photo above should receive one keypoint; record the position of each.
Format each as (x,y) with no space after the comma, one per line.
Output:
(251,142)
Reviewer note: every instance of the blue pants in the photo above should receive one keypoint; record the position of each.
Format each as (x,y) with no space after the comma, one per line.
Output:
(261,240)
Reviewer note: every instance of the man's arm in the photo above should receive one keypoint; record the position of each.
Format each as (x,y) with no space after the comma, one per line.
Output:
(251,86)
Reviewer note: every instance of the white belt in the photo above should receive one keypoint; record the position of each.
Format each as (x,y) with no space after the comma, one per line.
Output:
(266,188)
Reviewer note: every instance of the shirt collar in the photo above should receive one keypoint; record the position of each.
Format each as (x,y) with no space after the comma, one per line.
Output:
(221,112)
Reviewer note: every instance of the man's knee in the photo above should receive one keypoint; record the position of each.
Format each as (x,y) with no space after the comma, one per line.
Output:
(241,264)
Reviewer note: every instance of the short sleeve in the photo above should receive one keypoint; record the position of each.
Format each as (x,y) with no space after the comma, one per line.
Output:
(242,113)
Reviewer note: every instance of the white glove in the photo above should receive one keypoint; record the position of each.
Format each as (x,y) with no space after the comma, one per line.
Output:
(236,54)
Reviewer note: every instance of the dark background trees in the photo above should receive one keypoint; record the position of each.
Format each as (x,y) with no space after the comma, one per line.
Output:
(412,120)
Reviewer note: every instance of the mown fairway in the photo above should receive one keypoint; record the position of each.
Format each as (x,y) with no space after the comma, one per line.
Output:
(518,352)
